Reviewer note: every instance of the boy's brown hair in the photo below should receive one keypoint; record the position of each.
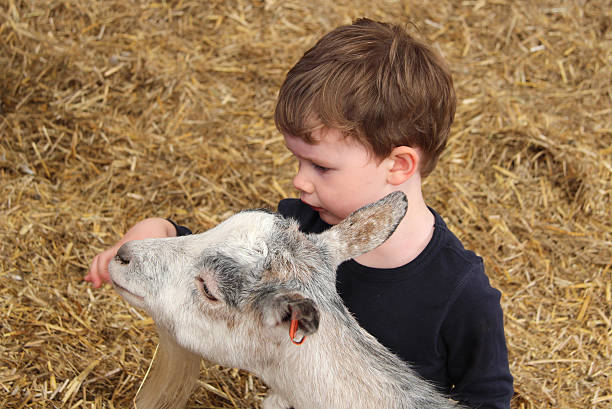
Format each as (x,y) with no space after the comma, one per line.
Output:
(376,84)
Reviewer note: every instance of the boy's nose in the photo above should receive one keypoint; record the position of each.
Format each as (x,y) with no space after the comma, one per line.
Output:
(301,183)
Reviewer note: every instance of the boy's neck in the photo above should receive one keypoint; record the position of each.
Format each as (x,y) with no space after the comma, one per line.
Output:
(409,239)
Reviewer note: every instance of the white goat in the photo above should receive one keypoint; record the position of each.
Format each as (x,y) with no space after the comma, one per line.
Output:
(235,294)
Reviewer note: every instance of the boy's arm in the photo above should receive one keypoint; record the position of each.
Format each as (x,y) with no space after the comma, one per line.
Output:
(477,355)
(145,229)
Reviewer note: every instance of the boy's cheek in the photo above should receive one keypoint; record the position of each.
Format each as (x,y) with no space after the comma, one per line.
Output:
(334,216)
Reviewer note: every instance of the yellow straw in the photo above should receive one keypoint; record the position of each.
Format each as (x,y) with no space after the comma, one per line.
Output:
(146,374)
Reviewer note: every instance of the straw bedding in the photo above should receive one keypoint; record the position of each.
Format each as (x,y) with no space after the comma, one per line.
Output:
(112,111)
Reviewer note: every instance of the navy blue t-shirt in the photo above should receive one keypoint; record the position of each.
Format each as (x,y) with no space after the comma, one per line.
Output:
(438,313)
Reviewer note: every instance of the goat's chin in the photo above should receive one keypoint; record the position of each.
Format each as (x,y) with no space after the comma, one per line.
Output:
(134,299)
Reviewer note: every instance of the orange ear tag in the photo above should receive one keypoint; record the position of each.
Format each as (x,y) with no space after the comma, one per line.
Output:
(293,330)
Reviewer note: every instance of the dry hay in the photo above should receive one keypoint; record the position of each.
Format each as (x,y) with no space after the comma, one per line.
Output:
(111,111)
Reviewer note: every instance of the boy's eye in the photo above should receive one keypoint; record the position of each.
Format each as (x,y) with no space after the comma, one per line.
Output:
(320,168)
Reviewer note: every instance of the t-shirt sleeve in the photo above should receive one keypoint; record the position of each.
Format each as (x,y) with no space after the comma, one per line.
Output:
(180,230)
(476,345)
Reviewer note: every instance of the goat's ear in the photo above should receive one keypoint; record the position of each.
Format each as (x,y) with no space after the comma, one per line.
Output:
(281,309)
(366,228)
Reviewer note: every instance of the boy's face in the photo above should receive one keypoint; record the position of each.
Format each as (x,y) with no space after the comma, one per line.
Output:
(337,175)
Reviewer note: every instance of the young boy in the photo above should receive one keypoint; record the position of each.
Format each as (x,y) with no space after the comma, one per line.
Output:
(367,111)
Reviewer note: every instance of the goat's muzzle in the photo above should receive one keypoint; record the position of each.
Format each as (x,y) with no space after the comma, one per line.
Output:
(124,255)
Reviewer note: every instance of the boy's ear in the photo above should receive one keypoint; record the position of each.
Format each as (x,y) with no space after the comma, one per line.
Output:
(405,164)
(281,309)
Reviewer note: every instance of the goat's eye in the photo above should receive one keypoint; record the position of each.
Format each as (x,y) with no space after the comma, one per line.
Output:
(204,289)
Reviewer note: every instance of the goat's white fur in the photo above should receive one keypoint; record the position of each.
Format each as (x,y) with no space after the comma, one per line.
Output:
(263,272)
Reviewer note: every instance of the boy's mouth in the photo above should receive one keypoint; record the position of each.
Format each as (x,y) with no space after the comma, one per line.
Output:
(316,209)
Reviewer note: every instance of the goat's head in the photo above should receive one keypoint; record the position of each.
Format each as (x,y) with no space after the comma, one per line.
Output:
(247,277)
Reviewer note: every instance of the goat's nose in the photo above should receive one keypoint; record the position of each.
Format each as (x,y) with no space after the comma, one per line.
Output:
(123,255)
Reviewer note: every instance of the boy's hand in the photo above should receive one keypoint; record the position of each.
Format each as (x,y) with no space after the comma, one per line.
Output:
(146,229)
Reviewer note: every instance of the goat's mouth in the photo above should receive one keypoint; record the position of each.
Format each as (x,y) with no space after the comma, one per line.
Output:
(124,291)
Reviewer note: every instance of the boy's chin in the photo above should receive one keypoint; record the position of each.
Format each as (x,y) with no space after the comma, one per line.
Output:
(329,218)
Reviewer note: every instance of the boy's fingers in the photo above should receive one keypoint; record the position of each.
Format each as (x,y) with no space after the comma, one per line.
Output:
(91,273)
(98,271)
(104,274)
(103,262)
(99,265)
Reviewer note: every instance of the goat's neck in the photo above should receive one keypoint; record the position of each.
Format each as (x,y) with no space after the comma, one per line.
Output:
(344,365)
